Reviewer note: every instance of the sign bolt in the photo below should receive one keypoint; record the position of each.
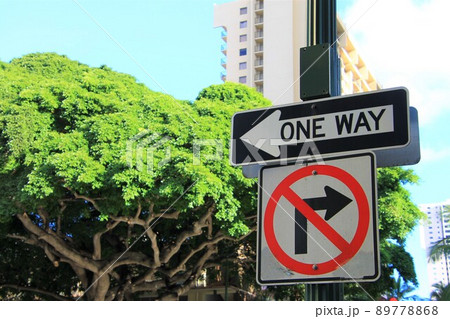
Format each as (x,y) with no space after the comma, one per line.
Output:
(315,267)
(314,172)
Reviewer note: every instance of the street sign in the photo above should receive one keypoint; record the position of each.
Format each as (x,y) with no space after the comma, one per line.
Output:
(365,121)
(408,155)
(318,222)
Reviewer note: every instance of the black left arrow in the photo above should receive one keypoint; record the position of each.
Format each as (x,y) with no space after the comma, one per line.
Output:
(333,202)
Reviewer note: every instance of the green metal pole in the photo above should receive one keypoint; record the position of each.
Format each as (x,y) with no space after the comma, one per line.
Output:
(322,28)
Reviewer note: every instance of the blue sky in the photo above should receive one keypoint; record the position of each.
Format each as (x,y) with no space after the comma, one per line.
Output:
(171,46)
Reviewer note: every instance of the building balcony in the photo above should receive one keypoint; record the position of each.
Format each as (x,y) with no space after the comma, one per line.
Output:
(224,35)
(259,76)
(259,6)
(223,76)
(259,34)
(259,63)
(259,47)
(223,48)
(223,62)
(259,20)
(260,88)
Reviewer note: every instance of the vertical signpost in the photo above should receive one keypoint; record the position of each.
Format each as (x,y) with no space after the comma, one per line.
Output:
(318,222)
(322,31)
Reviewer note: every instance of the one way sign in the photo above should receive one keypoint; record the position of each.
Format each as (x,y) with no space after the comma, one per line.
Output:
(366,121)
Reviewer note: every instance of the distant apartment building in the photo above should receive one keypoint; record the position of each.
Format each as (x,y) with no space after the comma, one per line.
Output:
(434,229)
(261,48)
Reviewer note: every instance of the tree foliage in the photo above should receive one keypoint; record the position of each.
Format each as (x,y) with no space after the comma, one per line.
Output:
(232,94)
(400,290)
(397,217)
(441,248)
(441,292)
(105,196)
(99,173)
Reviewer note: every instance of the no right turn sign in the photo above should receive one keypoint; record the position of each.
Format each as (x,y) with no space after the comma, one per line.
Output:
(318,222)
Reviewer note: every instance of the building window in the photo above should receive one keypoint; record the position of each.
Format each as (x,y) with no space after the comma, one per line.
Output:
(243,38)
(243,10)
(243,24)
(243,79)
(243,52)
(243,66)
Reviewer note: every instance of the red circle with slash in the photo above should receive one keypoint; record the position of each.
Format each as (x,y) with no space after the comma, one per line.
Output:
(348,249)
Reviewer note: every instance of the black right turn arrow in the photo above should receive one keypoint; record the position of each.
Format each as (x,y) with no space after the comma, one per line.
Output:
(333,202)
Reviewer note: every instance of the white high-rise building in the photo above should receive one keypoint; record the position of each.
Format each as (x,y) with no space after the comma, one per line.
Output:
(262,41)
(433,230)
(261,44)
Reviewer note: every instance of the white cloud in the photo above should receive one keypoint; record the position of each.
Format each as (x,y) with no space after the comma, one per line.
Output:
(431,155)
(404,43)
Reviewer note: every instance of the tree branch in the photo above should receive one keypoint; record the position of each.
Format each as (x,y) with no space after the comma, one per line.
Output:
(44,216)
(81,274)
(149,232)
(100,286)
(195,231)
(26,240)
(96,241)
(151,213)
(129,258)
(86,198)
(173,215)
(182,264)
(51,256)
(147,277)
(57,243)
(128,220)
(139,210)
(35,290)
(189,278)
(148,286)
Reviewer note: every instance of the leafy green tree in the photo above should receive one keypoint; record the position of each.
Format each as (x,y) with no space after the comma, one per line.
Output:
(102,193)
(104,197)
(400,290)
(441,292)
(232,94)
(397,217)
(442,247)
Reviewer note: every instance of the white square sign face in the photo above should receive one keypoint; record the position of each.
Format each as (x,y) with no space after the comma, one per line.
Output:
(317,222)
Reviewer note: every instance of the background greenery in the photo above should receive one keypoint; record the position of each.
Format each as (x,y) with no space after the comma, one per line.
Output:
(71,205)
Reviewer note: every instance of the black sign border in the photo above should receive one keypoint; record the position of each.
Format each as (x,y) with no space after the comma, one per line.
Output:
(400,137)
